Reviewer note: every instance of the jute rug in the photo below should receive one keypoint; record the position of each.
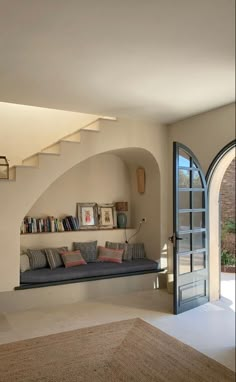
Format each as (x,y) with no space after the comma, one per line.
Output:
(124,351)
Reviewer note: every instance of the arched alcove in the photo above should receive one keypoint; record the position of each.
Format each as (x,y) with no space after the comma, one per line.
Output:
(107,178)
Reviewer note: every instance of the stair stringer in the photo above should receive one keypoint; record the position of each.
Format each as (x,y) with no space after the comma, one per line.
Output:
(31,182)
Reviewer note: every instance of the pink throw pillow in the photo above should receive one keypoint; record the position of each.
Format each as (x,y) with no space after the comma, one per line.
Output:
(110,255)
(72,258)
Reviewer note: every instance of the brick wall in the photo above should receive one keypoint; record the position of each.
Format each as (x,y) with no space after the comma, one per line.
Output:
(227,200)
(227,193)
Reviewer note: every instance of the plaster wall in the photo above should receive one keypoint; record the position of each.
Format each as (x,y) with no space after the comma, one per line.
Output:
(26,130)
(19,196)
(101,179)
(205,134)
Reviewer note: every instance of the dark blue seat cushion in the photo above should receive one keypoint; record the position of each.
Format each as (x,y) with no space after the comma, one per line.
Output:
(46,275)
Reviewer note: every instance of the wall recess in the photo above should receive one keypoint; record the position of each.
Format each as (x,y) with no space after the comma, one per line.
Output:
(140,173)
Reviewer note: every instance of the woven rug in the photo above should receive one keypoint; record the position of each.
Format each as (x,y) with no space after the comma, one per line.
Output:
(124,351)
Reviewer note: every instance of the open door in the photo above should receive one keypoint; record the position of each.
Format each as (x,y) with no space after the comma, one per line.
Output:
(190,233)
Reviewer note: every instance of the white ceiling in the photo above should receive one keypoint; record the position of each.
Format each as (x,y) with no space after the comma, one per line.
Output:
(158,59)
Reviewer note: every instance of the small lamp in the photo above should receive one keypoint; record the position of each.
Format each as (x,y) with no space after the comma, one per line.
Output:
(121,208)
(4,168)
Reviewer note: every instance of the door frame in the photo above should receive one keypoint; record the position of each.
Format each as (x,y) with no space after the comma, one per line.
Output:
(214,179)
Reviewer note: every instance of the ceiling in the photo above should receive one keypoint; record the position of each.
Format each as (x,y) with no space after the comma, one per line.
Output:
(163,60)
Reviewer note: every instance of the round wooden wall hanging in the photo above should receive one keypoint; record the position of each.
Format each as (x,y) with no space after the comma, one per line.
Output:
(140,172)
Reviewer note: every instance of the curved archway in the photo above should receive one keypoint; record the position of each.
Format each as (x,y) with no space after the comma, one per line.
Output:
(105,178)
(215,176)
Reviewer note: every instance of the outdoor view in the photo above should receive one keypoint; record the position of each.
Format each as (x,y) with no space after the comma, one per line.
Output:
(228,223)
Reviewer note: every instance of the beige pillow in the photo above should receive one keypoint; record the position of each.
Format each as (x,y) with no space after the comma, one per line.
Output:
(24,262)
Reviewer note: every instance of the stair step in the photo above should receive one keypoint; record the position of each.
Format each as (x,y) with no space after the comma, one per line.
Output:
(54,148)
(94,126)
(75,137)
(33,160)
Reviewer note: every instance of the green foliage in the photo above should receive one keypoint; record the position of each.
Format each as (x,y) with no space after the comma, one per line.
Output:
(227,258)
(230,226)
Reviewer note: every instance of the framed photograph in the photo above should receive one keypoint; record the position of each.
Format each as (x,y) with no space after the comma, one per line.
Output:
(106,215)
(87,214)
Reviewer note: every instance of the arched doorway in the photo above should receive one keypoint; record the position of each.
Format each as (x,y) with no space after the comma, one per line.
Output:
(215,176)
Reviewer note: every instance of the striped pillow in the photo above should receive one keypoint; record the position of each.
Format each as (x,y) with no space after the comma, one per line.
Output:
(72,258)
(54,257)
(127,255)
(88,250)
(37,258)
(137,251)
(110,255)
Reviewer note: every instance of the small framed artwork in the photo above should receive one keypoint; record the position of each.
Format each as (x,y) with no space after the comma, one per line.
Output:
(87,214)
(106,215)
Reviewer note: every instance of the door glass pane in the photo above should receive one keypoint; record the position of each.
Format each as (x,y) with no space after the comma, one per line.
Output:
(197,182)
(184,179)
(184,159)
(184,264)
(184,222)
(184,244)
(198,240)
(184,200)
(198,220)
(198,201)
(193,290)
(198,261)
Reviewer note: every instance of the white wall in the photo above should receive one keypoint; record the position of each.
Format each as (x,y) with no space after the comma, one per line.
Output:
(101,179)
(20,195)
(25,130)
(205,134)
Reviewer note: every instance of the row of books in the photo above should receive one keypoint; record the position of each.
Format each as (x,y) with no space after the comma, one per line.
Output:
(49,224)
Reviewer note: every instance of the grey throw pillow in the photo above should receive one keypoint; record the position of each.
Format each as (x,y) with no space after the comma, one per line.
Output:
(88,250)
(137,251)
(54,257)
(37,258)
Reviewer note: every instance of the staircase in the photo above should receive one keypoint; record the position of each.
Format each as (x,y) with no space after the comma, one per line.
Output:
(55,150)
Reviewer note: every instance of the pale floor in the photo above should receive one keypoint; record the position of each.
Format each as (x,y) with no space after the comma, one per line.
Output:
(209,328)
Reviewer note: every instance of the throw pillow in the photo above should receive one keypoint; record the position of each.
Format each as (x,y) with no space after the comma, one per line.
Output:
(110,255)
(37,258)
(137,251)
(72,258)
(24,262)
(54,257)
(127,255)
(88,250)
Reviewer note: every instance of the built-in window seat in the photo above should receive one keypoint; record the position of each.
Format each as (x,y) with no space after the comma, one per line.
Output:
(89,272)
(85,262)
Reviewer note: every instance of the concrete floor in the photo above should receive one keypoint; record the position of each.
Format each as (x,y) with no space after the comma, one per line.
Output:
(209,328)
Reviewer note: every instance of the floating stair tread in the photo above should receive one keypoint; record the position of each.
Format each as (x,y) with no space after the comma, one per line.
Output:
(65,140)
(44,153)
(90,130)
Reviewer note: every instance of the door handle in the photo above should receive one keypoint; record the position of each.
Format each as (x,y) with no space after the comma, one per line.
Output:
(173,239)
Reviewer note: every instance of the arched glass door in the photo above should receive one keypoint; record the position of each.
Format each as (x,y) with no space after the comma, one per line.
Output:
(190,234)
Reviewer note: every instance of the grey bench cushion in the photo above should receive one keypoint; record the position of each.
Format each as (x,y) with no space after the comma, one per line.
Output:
(46,275)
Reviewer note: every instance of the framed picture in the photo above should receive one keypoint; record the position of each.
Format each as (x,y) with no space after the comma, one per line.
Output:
(87,214)
(106,215)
